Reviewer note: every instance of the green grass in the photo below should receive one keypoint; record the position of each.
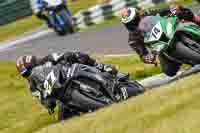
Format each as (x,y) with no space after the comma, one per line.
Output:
(31,23)
(20,113)
(19,27)
(133,66)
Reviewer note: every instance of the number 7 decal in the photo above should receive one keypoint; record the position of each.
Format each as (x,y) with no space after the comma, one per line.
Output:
(49,82)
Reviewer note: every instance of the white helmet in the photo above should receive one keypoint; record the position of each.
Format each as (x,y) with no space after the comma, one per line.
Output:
(131,15)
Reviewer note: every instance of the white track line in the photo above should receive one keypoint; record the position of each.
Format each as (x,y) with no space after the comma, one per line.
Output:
(6,45)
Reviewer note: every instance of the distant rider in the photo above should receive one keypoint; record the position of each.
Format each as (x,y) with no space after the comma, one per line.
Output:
(25,64)
(37,8)
(131,17)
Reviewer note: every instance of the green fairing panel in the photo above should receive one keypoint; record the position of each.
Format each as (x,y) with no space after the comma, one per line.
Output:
(151,28)
(190,27)
(158,46)
(154,29)
(170,26)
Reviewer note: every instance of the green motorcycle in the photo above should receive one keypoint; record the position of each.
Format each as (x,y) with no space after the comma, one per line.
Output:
(176,42)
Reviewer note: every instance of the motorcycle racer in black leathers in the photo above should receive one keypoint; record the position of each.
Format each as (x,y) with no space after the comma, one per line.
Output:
(25,65)
(131,17)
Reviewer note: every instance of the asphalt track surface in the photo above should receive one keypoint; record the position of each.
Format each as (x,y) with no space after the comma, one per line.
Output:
(108,40)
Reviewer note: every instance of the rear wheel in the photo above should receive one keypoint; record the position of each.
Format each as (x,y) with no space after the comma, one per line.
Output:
(85,102)
(186,52)
(191,43)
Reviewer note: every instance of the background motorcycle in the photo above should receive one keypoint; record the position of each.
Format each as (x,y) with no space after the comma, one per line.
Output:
(83,88)
(59,16)
(176,39)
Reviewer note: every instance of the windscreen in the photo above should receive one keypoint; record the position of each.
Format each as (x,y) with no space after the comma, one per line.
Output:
(147,23)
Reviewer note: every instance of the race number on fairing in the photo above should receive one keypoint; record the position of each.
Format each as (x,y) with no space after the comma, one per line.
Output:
(156,32)
(49,82)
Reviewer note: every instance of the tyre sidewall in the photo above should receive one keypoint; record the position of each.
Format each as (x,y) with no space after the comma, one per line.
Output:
(85,102)
(131,88)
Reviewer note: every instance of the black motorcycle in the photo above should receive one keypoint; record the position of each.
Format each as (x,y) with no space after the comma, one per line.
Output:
(82,88)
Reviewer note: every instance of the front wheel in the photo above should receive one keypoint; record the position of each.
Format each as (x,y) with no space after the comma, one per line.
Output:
(131,88)
(65,113)
(185,54)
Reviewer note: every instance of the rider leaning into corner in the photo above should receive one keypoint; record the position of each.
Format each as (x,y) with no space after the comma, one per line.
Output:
(26,63)
(37,8)
(131,17)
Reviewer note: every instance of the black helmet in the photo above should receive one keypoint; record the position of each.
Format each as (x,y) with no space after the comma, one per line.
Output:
(130,18)
(25,64)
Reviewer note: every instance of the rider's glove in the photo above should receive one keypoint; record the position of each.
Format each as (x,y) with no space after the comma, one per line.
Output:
(149,59)
(99,66)
(110,69)
(106,68)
